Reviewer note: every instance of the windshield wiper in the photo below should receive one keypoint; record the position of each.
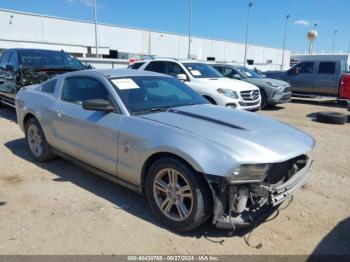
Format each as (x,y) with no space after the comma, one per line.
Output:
(152,110)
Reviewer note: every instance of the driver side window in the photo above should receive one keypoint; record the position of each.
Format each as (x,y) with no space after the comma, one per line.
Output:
(306,68)
(79,89)
(174,69)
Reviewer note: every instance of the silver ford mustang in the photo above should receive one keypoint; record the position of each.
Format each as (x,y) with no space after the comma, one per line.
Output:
(151,133)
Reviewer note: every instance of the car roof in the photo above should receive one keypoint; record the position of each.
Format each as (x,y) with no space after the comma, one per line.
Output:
(32,49)
(171,60)
(112,73)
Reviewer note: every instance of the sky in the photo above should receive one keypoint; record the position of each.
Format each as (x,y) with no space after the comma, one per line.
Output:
(218,19)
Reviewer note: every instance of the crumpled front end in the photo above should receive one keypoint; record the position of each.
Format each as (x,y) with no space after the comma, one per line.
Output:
(240,204)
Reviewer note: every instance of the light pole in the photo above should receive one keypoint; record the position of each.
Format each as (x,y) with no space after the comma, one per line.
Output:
(284,40)
(246,32)
(96,37)
(333,42)
(189,29)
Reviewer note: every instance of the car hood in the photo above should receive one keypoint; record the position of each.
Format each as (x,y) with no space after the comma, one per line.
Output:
(251,138)
(226,83)
(267,81)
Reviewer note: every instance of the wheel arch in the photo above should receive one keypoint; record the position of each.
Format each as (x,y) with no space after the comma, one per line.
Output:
(210,99)
(159,155)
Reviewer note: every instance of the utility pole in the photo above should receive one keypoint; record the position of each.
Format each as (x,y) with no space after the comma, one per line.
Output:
(284,39)
(246,33)
(189,29)
(333,42)
(96,36)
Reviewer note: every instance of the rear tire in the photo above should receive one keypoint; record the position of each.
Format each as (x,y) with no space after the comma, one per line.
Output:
(37,142)
(182,207)
(332,118)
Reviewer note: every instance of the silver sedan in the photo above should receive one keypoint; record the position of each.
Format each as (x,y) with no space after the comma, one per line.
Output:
(151,133)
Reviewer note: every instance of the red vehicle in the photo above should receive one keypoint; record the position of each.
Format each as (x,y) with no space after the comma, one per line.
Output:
(344,91)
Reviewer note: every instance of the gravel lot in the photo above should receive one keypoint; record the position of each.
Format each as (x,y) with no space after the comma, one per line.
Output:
(60,208)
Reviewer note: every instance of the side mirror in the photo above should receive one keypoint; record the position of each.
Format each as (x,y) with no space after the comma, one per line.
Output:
(237,76)
(181,77)
(294,71)
(98,105)
(89,66)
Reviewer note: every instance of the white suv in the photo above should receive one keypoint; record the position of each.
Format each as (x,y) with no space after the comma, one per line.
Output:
(208,82)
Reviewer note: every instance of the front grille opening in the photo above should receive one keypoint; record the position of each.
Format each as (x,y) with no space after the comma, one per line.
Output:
(282,172)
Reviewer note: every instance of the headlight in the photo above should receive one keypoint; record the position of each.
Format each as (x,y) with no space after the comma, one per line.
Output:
(275,85)
(227,92)
(249,173)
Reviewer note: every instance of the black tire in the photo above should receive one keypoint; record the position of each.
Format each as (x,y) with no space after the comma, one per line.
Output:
(202,200)
(46,153)
(210,100)
(263,103)
(332,118)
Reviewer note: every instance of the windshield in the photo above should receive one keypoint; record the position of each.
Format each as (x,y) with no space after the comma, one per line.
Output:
(49,59)
(247,73)
(199,70)
(143,95)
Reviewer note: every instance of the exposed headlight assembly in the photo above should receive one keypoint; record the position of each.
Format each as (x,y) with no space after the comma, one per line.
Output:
(228,93)
(249,173)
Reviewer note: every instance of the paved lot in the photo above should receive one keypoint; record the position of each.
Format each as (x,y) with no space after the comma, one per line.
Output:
(59,208)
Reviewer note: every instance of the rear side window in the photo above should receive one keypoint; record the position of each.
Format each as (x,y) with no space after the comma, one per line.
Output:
(136,65)
(80,89)
(49,87)
(156,66)
(326,68)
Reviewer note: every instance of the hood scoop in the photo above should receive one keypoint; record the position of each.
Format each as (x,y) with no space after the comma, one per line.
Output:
(205,118)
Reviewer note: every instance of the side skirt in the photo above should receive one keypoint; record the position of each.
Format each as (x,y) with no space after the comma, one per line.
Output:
(99,172)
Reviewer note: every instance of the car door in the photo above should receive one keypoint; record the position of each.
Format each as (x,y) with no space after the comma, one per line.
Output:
(7,75)
(327,78)
(90,136)
(303,78)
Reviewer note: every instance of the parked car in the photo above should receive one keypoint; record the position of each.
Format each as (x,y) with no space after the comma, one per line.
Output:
(272,91)
(22,67)
(205,80)
(152,133)
(316,77)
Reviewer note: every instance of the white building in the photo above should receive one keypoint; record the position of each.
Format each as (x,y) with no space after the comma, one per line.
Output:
(18,29)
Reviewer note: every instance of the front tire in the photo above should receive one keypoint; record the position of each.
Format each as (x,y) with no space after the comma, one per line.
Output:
(178,196)
(37,142)
(263,100)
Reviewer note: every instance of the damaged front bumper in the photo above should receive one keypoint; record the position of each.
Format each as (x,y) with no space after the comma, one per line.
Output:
(241,205)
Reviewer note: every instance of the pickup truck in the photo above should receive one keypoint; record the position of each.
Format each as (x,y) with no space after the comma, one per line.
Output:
(23,67)
(314,77)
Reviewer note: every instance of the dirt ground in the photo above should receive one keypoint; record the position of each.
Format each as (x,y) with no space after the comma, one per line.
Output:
(60,208)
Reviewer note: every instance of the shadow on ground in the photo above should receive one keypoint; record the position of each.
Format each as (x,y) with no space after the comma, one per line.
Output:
(336,242)
(273,108)
(321,102)
(8,113)
(313,117)
(118,196)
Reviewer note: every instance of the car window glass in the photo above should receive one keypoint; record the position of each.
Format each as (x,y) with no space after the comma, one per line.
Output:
(326,68)
(228,72)
(5,57)
(305,68)
(174,69)
(156,66)
(142,94)
(135,66)
(13,59)
(80,89)
(49,87)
